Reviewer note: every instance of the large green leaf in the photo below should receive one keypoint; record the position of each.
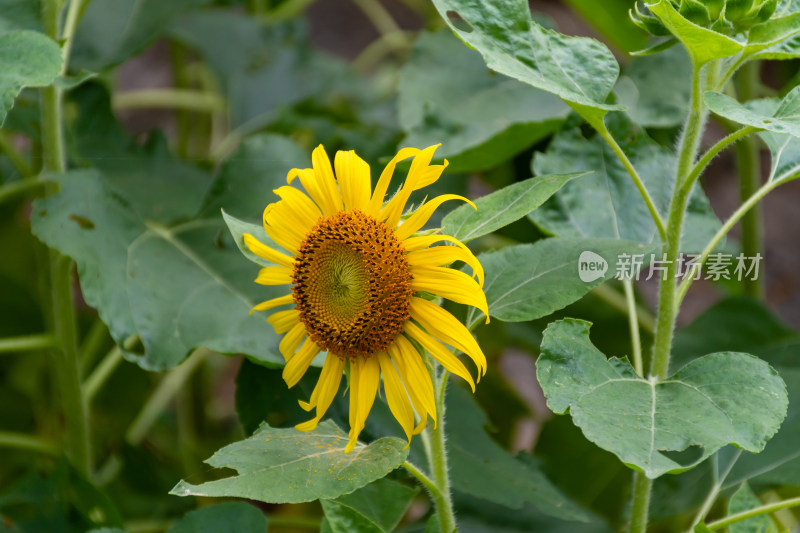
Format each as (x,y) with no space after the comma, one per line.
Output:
(152,249)
(772,33)
(743,324)
(529,281)
(111,31)
(291,466)
(745,499)
(606,203)
(651,98)
(717,399)
(447,95)
(785,119)
(781,22)
(481,468)
(500,208)
(579,70)
(19,15)
(27,59)
(376,508)
(702,44)
(239,517)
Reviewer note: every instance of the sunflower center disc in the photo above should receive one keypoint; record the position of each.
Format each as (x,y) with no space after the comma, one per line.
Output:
(351,284)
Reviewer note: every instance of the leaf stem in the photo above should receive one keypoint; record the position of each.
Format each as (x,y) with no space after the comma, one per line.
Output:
(633,325)
(165,391)
(715,490)
(187,99)
(750,513)
(641,503)
(101,374)
(10,439)
(424,480)
(712,152)
(437,457)
(601,128)
(619,301)
(39,341)
(748,163)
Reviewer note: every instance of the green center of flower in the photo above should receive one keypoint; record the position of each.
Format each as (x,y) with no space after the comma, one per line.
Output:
(351,284)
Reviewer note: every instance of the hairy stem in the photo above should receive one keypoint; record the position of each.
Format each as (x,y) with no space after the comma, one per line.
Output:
(633,325)
(437,457)
(750,513)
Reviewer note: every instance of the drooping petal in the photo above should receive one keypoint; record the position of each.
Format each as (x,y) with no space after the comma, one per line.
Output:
(414,374)
(416,175)
(379,194)
(325,390)
(444,255)
(299,363)
(291,341)
(279,275)
(451,284)
(324,175)
(275,302)
(283,321)
(445,327)
(368,376)
(353,176)
(262,250)
(439,352)
(300,205)
(396,395)
(419,217)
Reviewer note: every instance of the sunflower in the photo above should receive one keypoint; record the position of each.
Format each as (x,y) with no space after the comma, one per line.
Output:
(359,275)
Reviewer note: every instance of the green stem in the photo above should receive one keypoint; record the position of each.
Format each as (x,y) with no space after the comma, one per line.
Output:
(92,345)
(601,128)
(641,503)
(712,152)
(437,457)
(101,374)
(619,301)
(748,162)
(715,490)
(750,513)
(188,99)
(382,20)
(633,325)
(14,156)
(10,439)
(39,341)
(9,190)
(163,394)
(424,480)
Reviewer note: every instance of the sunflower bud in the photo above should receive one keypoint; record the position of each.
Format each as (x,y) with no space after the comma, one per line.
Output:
(724,16)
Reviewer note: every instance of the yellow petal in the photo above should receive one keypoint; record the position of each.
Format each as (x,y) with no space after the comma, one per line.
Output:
(275,302)
(444,255)
(396,395)
(451,284)
(379,194)
(262,250)
(423,241)
(324,175)
(444,326)
(368,376)
(291,341)
(309,181)
(325,390)
(279,275)
(420,217)
(283,236)
(299,363)
(416,377)
(352,173)
(439,352)
(300,205)
(416,175)
(283,321)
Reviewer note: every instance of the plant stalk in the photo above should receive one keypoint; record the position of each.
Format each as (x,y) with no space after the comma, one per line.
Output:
(437,457)
(39,341)
(757,511)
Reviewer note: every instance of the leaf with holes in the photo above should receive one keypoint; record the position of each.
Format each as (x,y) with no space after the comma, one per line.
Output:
(579,70)
(654,426)
(291,466)
(501,208)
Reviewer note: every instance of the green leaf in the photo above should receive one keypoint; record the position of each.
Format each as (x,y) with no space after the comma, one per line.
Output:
(375,508)
(607,204)
(447,95)
(771,33)
(652,99)
(27,59)
(745,499)
(240,517)
(720,398)
(611,19)
(702,44)
(481,468)
(529,281)
(744,324)
(579,70)
(785,119)
(500,208)
(19,15)
(111,31)
(291,466)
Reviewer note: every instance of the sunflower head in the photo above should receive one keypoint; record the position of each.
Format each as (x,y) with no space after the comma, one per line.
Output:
(724,16)
(357,270)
